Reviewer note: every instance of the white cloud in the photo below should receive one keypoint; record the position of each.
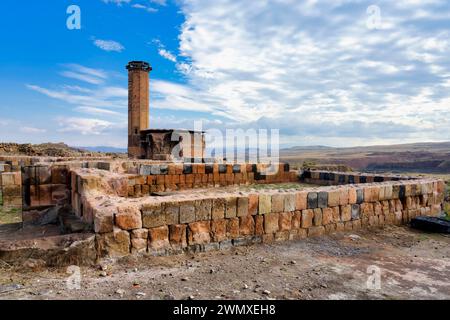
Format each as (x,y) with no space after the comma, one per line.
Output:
(118,2)
(84,126)
(167,54)
(146,8)
(32,130)
(109,45)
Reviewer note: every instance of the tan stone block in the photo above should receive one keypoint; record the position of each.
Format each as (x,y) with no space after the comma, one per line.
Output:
(265,204)
(114,244)
(268,238)
(336,214)
(128,218)
(301,200)
(317,217)
(246,226)
(242,207)
(289,203)
(302,233)
(219,230)
(259,225)
(187,212)
(271,224)
(103,221)
(330,228)
(316,231)
(285,221)
(348,225)
(340,227)
(139,240)
(327,216)
(153,216)
(352,196)
(371,194)
(356,224)
(233,228)
(307,218)
(45,195)
(343,196)
(277,203)
(334,198)
(231,207)
(281,236)
(346,213)
(203,209)
(171,212)
(253,201)
(296,220)
(159,238)
(218,208)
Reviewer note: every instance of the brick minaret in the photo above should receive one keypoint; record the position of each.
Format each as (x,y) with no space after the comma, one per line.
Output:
(138,105)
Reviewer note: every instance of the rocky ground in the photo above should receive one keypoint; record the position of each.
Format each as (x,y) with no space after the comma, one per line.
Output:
(412,264)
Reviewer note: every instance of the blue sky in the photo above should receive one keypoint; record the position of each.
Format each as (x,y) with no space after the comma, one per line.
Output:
(340,73)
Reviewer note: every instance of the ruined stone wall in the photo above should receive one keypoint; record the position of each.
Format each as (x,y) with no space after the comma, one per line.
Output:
(168,225)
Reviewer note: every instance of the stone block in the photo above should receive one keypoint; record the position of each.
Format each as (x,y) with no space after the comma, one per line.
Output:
(128,218)
(203,209)
(153,216)
(178,236)
(281,236)
(344,196)
(187,212)
(271,224)
(289,202)
(259,225)
(327,216)
(352,196)
(285,221)
(114,244)
(231,207)
(218,208)
(316,231)
(103,221)
(317,217)
(322,199)
(242,207)
(219,230)
(333,198)
(307,218)
(301,201)
(313,200)
(139,240)
(330,228)
(171,213)
(246,226)
(356,211)
(158,238)
(278,203)
(253,201)
(265,204)
(346,213)
(233,228)
(296,220)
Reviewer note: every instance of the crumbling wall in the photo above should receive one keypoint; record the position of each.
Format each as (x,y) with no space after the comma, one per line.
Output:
(175,224)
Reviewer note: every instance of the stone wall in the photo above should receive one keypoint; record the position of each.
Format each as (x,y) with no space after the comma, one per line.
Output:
(11,189)
(199,222)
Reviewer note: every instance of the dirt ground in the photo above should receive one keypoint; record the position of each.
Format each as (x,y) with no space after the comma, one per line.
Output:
(412,265)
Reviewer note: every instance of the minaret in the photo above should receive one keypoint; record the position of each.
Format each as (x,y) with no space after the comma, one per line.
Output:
(138,105)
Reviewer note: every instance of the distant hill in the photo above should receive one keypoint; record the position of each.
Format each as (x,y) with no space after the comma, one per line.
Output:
(413,157)
(104,149)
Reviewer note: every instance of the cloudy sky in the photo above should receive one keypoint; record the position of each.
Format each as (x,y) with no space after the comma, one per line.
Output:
(328,72)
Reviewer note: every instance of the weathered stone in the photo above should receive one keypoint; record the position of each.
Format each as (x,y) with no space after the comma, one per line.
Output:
(289,203)
(246,225)
(317,217)
(177,236)
(219,230)
(271,223)
(265,204)
(301,200)
(242,207)
(203,209)
(199,233)
(139,240)
(158,238)
(231,207)
(285,221)
(187,212)
(346,213)
(356,211)
(316,231)
(281,236)
(352,196)
(307,218)
(172,213)
(218,209)
(330,228)
(277,203)
(233,228)
(128,218)
(333,198)
(103,221)
(296,220)
(322,200)
(114,244)
(343,196)
(253,201)
(153,216)
(259,225)
(327,216)
(312,200)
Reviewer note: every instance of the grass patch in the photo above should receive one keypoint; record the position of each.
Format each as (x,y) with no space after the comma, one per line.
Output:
(8,216)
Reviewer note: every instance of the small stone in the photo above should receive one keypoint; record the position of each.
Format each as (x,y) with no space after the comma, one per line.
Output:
(191,297)
(266,292)
(236,291)
(141,294)
(120,292)
(293,262)
(184,279)
(103,274)
(245,286)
